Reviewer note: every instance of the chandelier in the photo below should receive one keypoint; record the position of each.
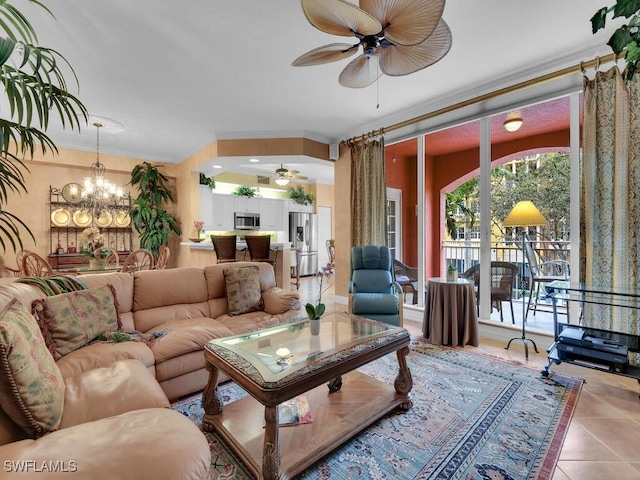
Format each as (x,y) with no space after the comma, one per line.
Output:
(98,193)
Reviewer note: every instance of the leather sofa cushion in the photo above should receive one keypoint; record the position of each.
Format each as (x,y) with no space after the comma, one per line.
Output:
(99,354)
(123,285)
(154,319)
(181,365)
(25,294)
(175,286)
(186,335)
(152,443)
(90,395)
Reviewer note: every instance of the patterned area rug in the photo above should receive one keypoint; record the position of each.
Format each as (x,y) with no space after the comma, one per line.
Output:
(473,417)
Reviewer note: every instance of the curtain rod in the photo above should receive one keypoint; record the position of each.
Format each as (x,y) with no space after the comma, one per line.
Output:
(581,67)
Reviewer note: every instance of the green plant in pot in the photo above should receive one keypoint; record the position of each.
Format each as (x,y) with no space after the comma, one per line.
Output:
(148,213)
(246,191)
(207,181)
(315,312)
(35,90)
(300,195)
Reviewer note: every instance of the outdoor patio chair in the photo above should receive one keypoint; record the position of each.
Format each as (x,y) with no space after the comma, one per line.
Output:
(503,281)
(542,271)
(407,277)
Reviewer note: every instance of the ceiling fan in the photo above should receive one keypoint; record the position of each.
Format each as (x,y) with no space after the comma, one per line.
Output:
(283,175)
(398,37)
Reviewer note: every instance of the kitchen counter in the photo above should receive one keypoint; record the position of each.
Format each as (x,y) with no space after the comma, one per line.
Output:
(239,245)
(202,254)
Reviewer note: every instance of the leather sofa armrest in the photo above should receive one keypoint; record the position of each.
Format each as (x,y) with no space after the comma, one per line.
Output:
(278,300)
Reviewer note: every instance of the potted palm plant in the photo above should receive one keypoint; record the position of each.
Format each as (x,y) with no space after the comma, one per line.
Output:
(34,88)
(148,213)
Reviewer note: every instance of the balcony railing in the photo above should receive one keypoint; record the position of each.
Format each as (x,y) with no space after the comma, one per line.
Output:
(465,254)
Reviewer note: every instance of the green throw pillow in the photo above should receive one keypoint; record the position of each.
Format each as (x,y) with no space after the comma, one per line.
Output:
(71,320)
(243,292)
(31,385)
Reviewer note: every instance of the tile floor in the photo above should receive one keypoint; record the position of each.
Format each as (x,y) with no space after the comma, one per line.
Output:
(603,441)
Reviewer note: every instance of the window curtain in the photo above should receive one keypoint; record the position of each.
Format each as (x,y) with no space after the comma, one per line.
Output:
(368,193)
(610,195)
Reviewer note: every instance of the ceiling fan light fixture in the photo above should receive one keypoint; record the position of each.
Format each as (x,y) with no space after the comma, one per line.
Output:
(282,181)
(513,124)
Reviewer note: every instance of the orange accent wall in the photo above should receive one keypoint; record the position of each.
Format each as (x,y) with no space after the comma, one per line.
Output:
(402,175)
(446,172)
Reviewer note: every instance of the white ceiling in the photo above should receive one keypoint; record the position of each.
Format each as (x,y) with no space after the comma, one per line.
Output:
(178,75)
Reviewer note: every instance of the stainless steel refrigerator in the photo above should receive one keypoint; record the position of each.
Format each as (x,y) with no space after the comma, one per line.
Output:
(303,235)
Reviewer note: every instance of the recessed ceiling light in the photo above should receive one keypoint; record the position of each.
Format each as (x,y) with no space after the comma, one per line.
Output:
(254,160)
(217,166)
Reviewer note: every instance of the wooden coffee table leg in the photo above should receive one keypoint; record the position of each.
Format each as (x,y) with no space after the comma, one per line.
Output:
(271,451)
(404,382)
(211,399)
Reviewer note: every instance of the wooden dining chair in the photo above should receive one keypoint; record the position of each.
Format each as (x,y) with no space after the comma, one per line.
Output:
(140,259)
(163,258)
(35,266)
(111,260)
(7,271)
(225,247)
(260,248)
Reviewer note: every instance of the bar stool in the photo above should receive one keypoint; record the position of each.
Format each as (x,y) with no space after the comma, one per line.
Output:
(225,247)
(260,248)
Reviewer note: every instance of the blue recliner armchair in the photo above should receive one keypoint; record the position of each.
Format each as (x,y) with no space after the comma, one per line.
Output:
(373,293)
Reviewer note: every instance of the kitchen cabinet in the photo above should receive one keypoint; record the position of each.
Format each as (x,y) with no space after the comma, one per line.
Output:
(273,215)
(222,208)
(296,207)
(246,204)
(206,207)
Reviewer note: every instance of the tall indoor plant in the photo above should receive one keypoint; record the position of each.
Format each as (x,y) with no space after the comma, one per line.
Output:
(34,87)
(148,214)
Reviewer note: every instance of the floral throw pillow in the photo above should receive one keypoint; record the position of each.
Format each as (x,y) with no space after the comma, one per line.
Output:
(31,385)
(72,320)
(243,289)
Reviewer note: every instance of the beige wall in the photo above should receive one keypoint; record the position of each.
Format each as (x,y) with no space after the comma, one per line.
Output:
(342,219)
(56,171)
(73,165)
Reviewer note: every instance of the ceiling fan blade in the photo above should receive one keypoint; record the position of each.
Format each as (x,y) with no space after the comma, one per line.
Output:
(410,21)
(294,172)
(361,72)
(300,177)
(339,17)
(326,54)
(397,60)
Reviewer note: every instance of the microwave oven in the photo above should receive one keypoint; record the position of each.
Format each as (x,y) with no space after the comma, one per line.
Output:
(247,221)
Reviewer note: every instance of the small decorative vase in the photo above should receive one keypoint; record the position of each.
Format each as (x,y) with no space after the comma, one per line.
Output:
(314,326)
(452,276)
(97,262)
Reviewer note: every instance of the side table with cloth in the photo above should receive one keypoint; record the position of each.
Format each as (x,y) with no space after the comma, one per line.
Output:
(450,313)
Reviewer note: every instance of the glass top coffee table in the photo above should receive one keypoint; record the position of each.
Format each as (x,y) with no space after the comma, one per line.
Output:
(279,363)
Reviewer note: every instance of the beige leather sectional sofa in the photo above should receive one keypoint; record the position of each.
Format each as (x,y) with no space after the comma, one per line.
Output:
(116,420)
